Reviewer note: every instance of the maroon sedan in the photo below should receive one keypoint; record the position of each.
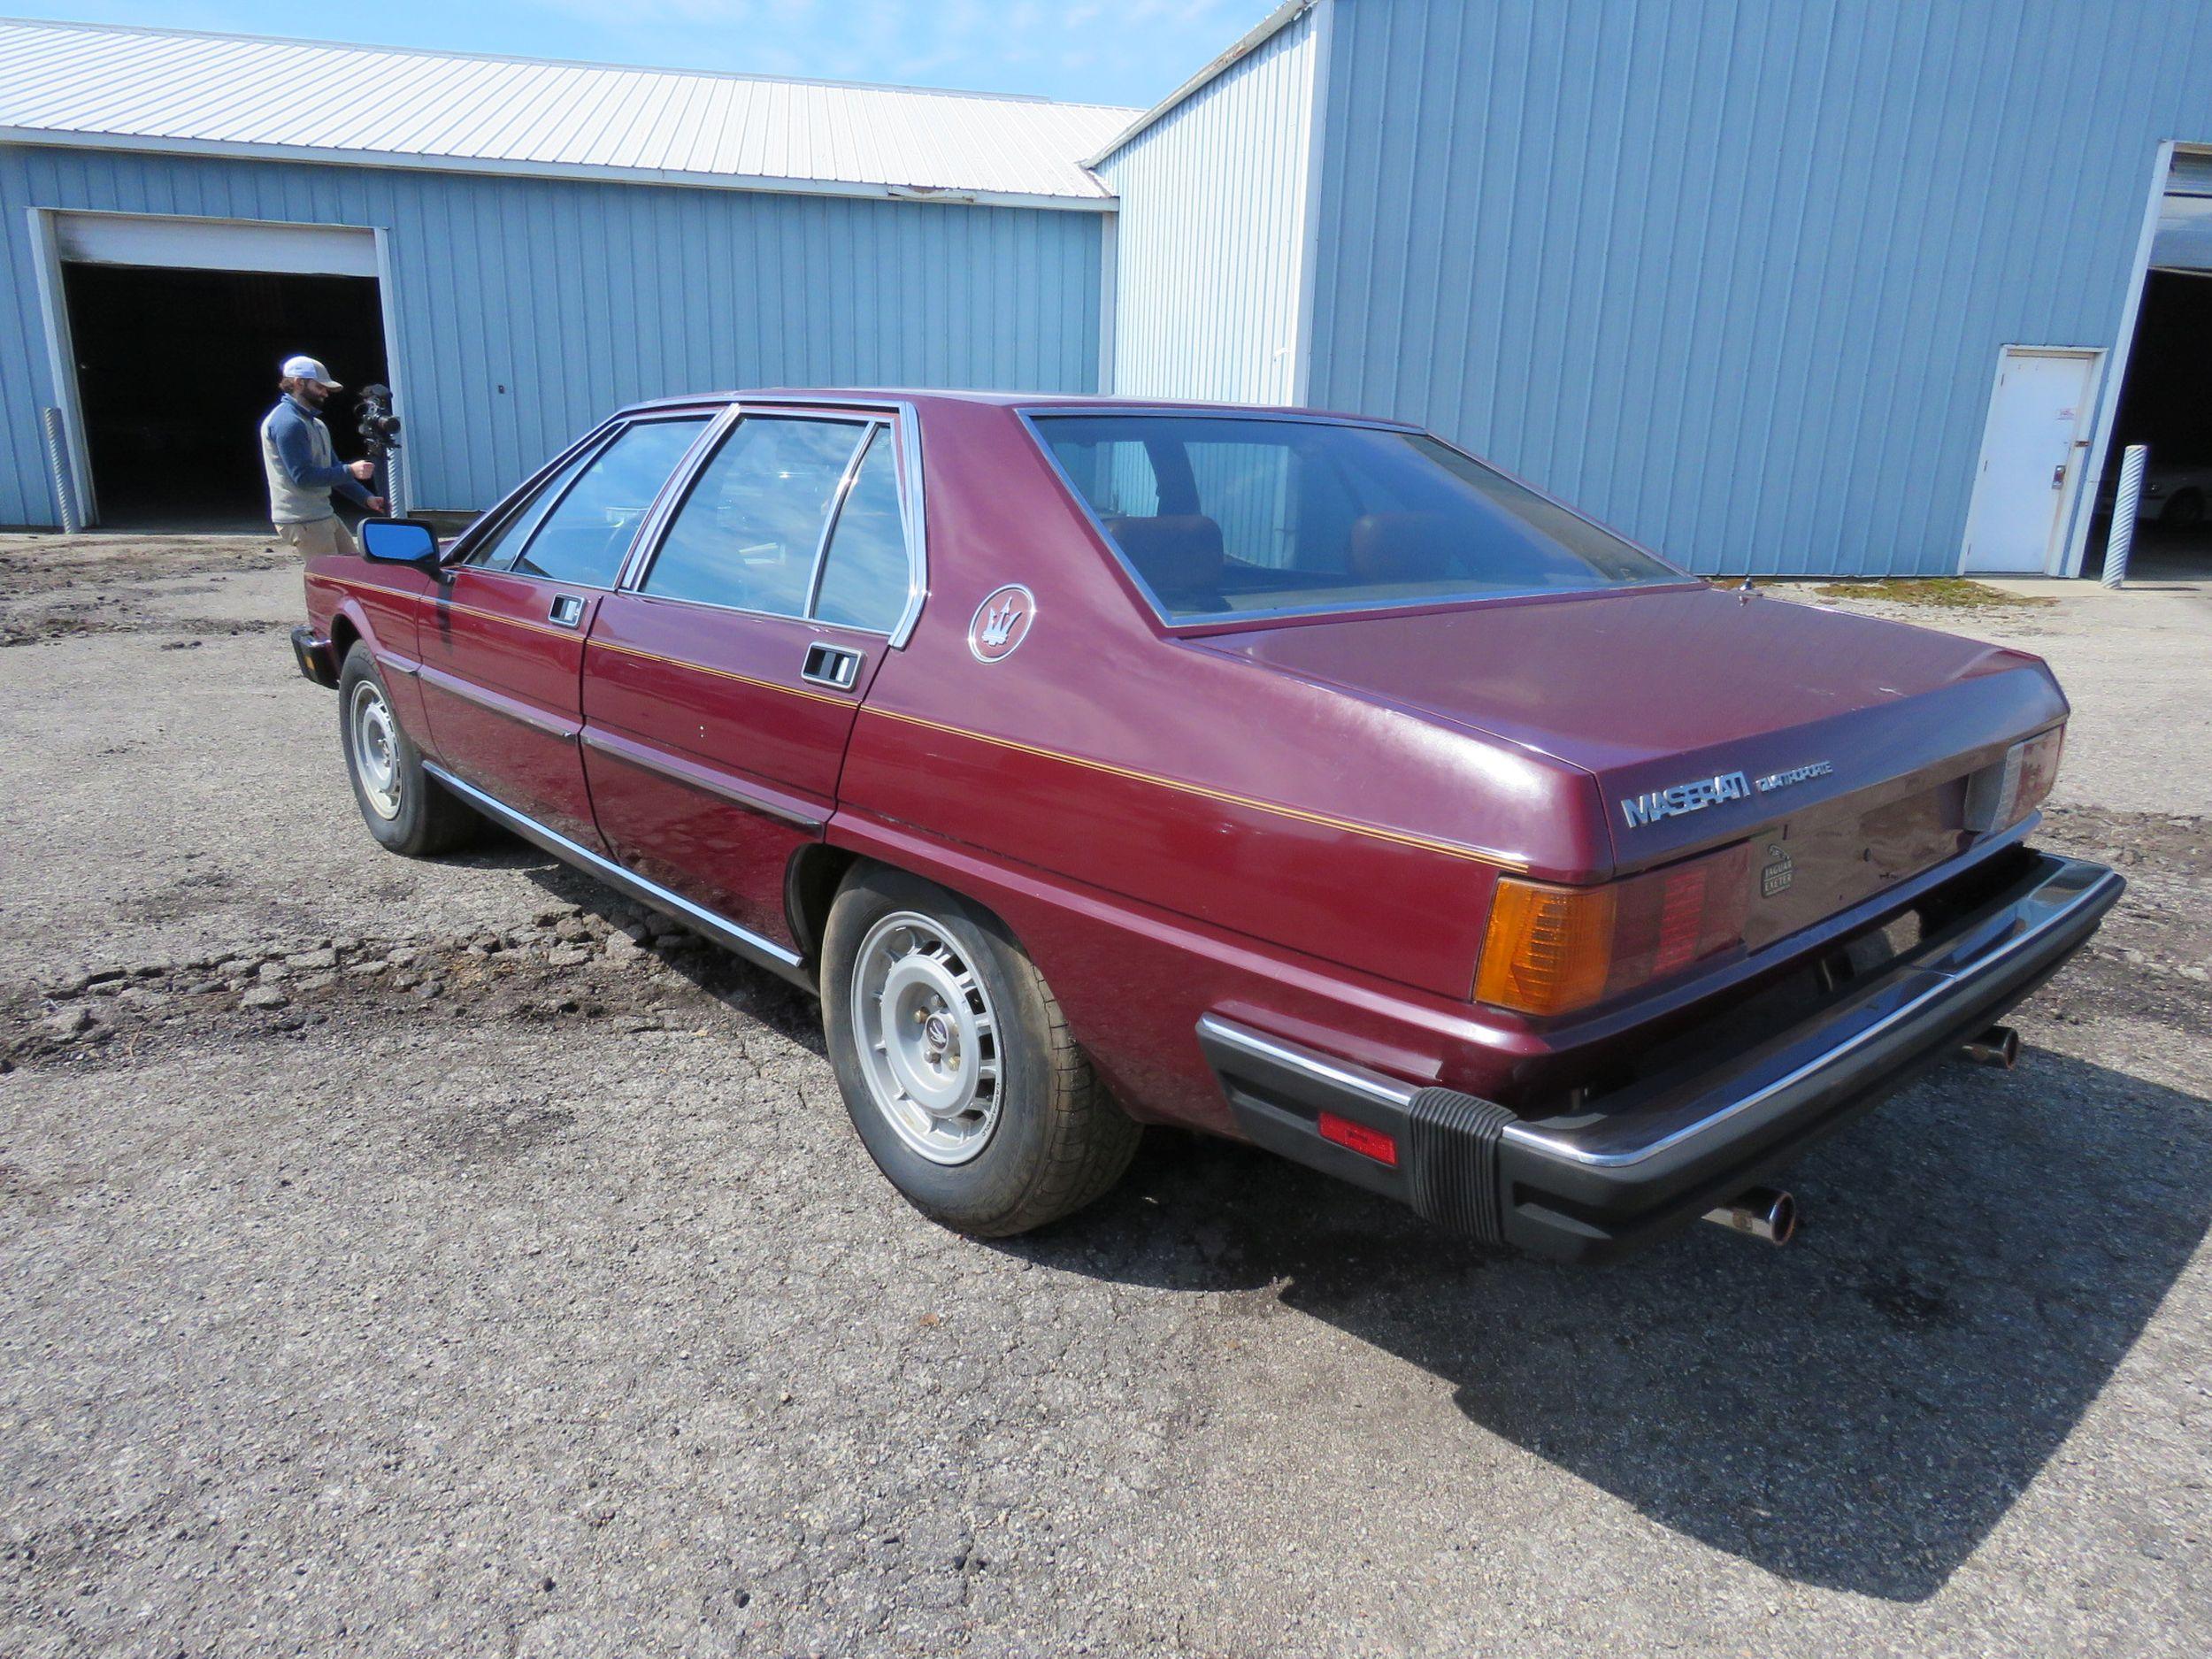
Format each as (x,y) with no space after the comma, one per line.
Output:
(1292,777)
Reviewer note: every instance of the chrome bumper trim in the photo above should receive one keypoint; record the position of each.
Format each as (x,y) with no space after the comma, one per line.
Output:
(1910,991)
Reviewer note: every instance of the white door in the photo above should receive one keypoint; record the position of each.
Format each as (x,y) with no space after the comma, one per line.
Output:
(2032,455)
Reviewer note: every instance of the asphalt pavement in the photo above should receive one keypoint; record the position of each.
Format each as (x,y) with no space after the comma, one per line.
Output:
(446,1259)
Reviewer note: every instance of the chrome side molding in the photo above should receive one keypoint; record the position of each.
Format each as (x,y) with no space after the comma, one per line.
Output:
(740,941)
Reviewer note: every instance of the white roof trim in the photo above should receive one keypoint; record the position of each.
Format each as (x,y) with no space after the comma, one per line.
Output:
(584,173)
(1273,24)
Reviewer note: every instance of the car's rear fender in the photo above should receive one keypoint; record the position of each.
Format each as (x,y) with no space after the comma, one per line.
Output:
(1131,980)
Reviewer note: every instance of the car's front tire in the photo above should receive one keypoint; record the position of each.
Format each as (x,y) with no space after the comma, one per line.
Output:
(959,1072)
(407,809)
(2184,512)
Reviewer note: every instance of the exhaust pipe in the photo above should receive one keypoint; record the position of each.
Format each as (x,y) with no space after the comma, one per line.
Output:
(1999,1046)
(1763,1213)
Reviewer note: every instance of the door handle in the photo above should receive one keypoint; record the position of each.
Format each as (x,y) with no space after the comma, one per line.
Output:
(568,610)
(830,665)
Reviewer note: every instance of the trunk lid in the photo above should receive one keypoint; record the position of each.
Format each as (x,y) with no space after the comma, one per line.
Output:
(1842,743)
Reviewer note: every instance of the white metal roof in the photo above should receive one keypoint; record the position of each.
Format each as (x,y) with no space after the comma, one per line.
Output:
(165,90)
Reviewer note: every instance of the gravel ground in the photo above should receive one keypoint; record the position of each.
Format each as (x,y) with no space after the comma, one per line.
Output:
(443,1258)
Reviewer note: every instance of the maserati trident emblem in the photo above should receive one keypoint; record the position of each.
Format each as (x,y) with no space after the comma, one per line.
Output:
(1002,623)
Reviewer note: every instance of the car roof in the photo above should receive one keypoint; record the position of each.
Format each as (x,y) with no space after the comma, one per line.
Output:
(922,396)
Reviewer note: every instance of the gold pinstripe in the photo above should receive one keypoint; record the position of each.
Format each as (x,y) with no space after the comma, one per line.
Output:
(353,586)
(513,622)
(438,603)
(723,673)
(1373,832)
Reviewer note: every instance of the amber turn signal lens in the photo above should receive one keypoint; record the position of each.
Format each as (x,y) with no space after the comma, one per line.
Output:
(1553,951)
(1548,948)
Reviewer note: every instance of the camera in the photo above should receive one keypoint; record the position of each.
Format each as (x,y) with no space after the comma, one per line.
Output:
(380,427)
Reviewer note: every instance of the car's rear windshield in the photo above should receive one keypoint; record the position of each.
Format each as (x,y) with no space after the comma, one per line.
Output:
(1229,516)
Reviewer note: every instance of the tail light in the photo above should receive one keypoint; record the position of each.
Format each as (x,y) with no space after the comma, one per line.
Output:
(2001,794)
(1553,950)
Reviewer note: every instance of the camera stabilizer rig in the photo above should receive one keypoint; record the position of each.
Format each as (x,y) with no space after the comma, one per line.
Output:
(380,436)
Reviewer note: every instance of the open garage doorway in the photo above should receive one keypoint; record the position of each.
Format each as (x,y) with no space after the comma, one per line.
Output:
(176,328)
(2160,398)
(2163,406)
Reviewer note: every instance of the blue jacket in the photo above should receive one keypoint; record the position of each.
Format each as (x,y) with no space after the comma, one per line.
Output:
(302,464)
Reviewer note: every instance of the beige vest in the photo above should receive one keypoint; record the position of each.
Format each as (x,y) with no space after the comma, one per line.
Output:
(290,503)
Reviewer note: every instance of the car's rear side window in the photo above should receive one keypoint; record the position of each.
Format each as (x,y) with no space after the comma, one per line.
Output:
(863,570)
(584,535)
(751,533)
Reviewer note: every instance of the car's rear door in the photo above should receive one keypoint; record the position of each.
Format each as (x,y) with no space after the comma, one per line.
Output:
(503,645)
(721,682)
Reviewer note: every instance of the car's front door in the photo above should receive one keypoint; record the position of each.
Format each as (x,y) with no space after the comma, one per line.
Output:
(503,645)
(721,683)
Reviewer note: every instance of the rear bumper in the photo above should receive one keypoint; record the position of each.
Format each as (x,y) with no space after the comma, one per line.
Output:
(1597,1185)
(317,660)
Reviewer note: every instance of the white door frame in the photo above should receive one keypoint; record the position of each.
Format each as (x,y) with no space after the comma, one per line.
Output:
(2100,450)
(2076,469)
(61,355)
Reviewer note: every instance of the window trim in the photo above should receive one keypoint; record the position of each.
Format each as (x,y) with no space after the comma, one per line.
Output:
(616,430)
(1223,621)
(905,424)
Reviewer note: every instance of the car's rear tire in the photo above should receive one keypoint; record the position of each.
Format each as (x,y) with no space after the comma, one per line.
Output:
(960,1075)
(407,809)
(2184,512)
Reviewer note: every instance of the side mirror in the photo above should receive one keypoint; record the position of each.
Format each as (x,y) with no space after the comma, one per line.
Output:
(401,542)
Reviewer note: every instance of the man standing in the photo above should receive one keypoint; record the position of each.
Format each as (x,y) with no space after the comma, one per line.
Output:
(303,467)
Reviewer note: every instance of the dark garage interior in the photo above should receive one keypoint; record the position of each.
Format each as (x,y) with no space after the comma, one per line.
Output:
(2163,406)
(175,369)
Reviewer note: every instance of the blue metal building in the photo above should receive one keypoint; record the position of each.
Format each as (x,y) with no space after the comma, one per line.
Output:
(1839,286)
(1739,278)
(540,241)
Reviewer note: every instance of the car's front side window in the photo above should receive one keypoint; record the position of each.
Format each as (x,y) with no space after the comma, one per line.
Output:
(496,551)
(748,533)
(580,534)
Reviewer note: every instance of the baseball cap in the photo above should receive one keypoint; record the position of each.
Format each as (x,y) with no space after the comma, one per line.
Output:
(308,369)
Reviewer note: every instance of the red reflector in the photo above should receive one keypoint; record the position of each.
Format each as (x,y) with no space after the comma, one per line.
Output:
(1369,1143)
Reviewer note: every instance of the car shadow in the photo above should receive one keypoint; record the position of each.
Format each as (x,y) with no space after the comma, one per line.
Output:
(1856,1411)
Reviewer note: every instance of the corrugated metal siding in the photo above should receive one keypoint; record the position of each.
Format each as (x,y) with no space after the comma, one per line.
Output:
(1212,222)
(579,297)
(1734,276)
(146,84)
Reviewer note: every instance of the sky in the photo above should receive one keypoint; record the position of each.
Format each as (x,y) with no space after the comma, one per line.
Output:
(1088,52)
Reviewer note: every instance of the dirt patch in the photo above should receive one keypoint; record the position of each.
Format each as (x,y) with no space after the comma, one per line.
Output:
(1943,593)
(2164,843)
(45,564)
(55,588)
(573,964)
